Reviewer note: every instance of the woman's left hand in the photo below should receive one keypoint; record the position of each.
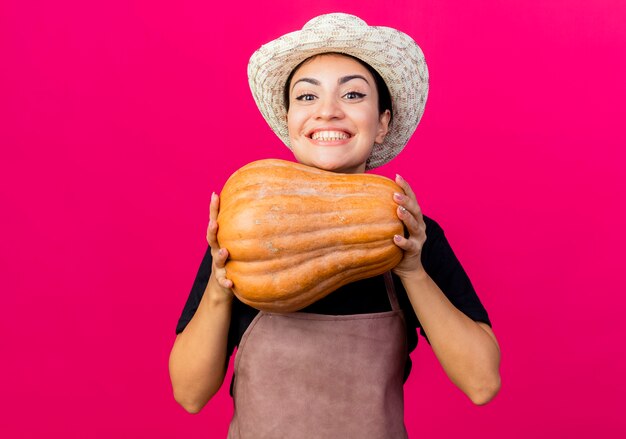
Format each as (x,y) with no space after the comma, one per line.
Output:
(410,214)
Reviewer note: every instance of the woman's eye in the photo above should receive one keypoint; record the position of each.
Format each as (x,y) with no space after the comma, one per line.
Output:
(305,97)
(354,95)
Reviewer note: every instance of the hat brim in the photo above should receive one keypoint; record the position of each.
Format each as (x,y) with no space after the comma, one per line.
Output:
(393,54)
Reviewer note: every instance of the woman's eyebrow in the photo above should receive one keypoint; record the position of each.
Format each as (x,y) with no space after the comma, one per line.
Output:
(309,80)
(347,78)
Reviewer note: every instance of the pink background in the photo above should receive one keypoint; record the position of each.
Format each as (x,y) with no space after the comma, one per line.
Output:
(117,120)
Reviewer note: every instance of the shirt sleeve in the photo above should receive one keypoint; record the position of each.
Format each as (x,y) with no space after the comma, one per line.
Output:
(241,314)
(197,291)
(444,268)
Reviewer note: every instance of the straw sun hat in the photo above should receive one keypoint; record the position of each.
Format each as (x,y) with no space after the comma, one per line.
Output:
(393,54)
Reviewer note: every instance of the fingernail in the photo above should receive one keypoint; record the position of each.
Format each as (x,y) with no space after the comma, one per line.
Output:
(398,196)
(213,195)
(398,176)
(397,238)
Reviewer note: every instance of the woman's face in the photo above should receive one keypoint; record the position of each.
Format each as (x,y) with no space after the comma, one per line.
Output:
(333,116)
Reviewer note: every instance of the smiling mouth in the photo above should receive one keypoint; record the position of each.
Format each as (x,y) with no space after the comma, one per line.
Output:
(329,136)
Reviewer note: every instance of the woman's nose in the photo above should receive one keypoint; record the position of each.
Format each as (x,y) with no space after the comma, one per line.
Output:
(329,109)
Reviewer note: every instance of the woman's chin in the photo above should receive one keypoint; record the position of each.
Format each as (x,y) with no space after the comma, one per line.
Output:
(336,166)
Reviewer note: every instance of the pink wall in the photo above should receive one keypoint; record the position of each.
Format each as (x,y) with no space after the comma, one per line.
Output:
(118,120)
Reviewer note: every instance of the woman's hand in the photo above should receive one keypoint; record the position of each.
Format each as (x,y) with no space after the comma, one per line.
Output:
(410,214)
(218,278)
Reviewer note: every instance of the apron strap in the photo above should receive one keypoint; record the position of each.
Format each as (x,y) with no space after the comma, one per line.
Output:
(391,291)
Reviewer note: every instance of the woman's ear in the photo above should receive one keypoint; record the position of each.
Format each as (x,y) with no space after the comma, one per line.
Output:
(383,126)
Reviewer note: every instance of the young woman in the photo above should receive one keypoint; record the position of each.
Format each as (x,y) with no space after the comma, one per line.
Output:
(344,97)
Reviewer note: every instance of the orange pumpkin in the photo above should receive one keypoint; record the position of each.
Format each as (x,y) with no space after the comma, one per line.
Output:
(296,233)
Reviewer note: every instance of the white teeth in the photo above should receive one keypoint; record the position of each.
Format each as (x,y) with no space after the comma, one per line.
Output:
(328,136)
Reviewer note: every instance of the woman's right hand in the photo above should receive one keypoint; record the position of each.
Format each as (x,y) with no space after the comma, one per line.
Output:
(218,279)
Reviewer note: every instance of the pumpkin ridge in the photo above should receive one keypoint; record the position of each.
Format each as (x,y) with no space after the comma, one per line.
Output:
(332,193)
(287,303)
(290,243)
(287,223)
(274,209)
(258,265)
(281,282)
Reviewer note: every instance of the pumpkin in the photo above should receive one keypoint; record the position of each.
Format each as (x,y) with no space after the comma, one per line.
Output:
(295,233)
